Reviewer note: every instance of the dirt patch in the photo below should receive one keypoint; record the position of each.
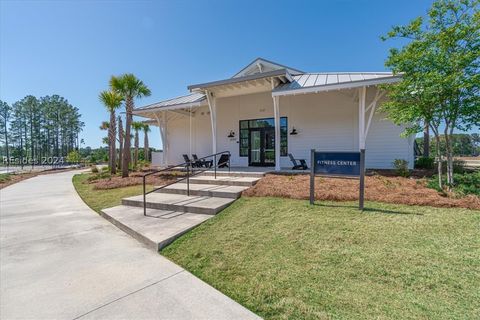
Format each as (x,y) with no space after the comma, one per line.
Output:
(398,190)
(133,180)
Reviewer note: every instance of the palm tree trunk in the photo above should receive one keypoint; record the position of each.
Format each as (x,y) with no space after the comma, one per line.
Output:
(120,142)
(113,149)
(145,147)
(136,149)
(127,144)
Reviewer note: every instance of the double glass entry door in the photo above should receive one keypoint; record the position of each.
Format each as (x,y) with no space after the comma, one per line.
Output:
(261,147)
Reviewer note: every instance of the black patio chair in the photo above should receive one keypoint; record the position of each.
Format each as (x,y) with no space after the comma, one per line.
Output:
(296,166)
(202,162)
(223,161)
(187,160)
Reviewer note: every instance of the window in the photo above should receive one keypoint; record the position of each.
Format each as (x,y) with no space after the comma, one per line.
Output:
(246,125)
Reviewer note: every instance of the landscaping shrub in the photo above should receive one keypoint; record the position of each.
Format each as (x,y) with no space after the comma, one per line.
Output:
(425,163)
(465,183)
(94,169)
(401,167)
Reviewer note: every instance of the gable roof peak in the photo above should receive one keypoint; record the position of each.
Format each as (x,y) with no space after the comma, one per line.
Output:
(260,65)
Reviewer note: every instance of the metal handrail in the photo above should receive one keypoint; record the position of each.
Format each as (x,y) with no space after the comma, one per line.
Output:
(188,166)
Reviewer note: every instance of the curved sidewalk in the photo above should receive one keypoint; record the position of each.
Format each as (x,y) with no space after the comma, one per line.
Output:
(60,260)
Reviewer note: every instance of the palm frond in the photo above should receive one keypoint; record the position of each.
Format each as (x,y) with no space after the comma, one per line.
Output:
(111,99)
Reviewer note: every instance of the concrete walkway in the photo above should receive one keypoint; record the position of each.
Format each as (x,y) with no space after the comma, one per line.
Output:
(60,260)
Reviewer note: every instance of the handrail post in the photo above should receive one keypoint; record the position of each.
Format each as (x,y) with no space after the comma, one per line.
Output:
(188,179)
(215,165)
(229,156)
(144,198)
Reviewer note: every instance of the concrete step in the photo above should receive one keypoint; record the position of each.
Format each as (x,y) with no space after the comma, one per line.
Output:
(180,203)
(205,190)
(224,181)
(235,174)
(156,230)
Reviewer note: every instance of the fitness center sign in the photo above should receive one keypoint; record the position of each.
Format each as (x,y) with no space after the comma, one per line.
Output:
(340,164)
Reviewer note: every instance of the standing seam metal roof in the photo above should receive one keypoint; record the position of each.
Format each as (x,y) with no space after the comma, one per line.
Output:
(320,79)
(189,98)
(301,81)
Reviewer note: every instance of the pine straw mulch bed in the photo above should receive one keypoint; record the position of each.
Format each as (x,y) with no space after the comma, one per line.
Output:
(398,190)
(112,182)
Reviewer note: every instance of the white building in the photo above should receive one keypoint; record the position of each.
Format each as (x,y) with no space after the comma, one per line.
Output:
(267,110)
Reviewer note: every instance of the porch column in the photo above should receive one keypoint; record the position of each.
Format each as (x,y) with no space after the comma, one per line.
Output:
(276,115)
(162,135)
(212,106)
(362,93)
(165,138)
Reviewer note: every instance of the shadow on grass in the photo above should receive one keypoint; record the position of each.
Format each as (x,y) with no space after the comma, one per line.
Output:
(367,210)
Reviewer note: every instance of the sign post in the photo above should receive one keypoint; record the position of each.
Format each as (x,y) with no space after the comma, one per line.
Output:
(362,179)
(312,176)
(338,164)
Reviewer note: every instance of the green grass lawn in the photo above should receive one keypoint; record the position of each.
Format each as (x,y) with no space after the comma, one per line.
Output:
(101,199)
(285,259)
(4,177)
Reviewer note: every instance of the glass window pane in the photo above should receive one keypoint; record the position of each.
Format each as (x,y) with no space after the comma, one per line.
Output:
(283,122)
(253,124)
(244,134)
(243,124)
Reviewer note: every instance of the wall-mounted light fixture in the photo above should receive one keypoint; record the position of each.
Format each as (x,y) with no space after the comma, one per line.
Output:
(294,131)
(231,134)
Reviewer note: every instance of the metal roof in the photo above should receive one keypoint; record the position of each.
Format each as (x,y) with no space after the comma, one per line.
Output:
(311,82)
(187,100)
(274,73)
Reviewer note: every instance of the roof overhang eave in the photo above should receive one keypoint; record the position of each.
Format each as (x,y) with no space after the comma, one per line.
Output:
(154,109)
(337,86)
(276,73)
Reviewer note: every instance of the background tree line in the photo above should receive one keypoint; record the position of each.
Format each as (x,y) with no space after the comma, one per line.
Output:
(34,128)
(463,144)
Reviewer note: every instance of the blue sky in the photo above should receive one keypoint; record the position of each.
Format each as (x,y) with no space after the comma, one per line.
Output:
(71,48)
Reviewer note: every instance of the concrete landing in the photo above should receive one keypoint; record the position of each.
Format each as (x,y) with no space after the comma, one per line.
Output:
(224,181)
(179,202)
(234,173)
(205,190)
(156,230)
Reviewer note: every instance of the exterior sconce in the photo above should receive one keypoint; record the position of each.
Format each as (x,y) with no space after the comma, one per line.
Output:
(293,132)
(231,134)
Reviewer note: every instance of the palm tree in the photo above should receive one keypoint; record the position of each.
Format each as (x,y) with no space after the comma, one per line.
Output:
(137,126)
(130,88)
(146,130)
(112,101)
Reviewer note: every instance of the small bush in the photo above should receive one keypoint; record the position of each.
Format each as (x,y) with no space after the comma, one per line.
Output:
(401,167)
(105,169)
(425,163)
(73,157)
(465,183)
(94,169)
